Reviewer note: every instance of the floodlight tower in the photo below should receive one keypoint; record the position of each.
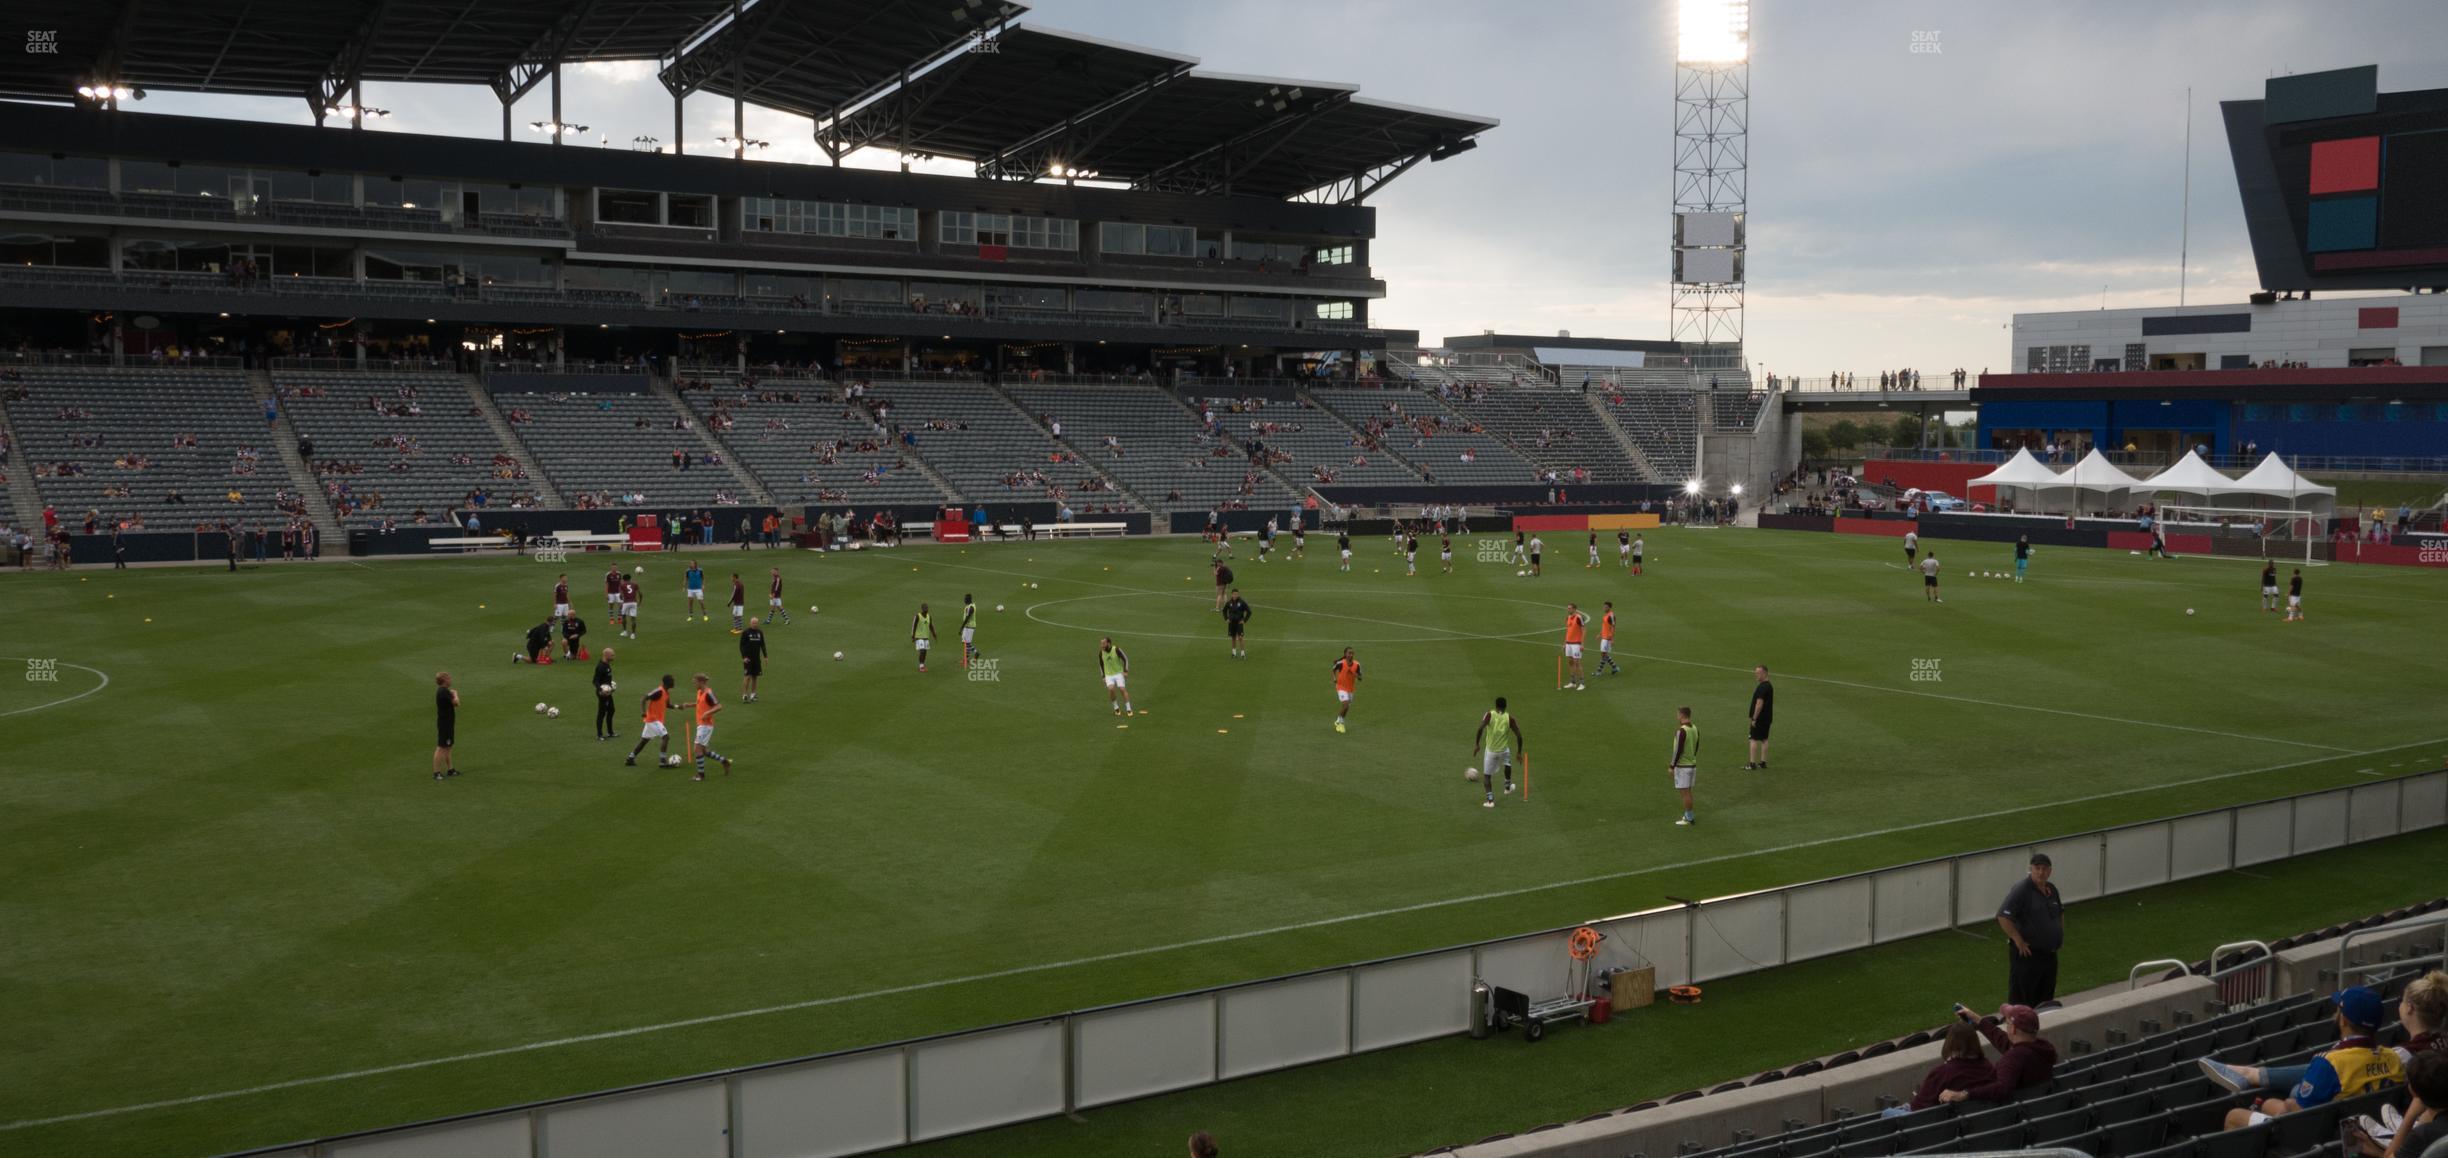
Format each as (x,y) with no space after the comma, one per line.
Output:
(1711,182)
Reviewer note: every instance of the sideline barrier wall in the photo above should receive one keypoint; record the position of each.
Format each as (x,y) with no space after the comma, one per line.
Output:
(862,1100)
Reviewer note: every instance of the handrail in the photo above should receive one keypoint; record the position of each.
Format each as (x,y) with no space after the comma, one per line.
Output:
(2416,922)
(2135,974)
(2236,989)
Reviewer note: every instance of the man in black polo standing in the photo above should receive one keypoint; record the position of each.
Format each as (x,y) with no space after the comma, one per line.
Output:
(1763,716)
(2033,918)
(604,688)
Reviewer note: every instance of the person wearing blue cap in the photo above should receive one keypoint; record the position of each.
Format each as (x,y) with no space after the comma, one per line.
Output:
(2356,1065)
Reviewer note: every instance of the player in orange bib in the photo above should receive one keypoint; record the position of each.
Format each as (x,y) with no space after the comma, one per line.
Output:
(1606,641)
(702,745)
(1347,683)
(658,703)
(1574,625)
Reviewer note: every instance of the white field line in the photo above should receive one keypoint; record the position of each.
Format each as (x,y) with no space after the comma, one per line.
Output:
(1151,950)
(56,703)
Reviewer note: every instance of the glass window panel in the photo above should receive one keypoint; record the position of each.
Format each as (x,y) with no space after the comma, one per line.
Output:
(691,210)
(147,177)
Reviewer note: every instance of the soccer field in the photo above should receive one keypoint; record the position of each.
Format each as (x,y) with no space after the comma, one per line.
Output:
(239,911)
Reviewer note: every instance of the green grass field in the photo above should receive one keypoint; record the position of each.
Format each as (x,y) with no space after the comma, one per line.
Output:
(241,912)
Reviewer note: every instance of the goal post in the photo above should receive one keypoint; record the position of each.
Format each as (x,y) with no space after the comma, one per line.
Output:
(2282,534)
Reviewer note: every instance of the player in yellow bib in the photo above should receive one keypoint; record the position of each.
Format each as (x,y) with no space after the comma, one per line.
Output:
(1684,763)
(922,634)
(1114,664)
(1499,737)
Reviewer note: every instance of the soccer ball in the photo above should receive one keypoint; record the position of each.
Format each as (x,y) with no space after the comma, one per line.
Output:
(552,713)
(1032,587)
(639,570)
(811,609)
(671,761)
(837,657)
(1521,572)
(2188,611)
(1469,773)
(605,689)
(542,708)
(998,607)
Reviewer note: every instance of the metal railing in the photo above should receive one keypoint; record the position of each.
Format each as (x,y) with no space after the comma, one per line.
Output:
(1062,1063)
(2345,943)
(2133,976)
(2251,980)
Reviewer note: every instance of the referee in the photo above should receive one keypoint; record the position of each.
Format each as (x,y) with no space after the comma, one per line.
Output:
(602,683)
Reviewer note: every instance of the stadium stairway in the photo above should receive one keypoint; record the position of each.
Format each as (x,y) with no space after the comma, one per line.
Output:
(1623,438)
(547,495)
(23,505)
(1384,445)
(310,491)
(1270,470)
(1136,499)
(713,441)
(2126,1082)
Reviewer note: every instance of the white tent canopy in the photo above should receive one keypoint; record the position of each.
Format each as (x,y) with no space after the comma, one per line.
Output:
(2191,476)
(2277,479)
(2096,473)
(2020,471)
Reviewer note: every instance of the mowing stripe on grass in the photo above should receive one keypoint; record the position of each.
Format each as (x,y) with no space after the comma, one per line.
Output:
(1151,950)
(1517,638)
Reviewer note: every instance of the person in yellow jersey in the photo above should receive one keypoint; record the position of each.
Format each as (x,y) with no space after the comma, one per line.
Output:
(1499,737)
(968,629)
(922,634)
(1684,764)
(1114,664)
(2356,1065)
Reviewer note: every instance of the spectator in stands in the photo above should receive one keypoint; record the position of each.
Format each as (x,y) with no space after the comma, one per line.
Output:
(2033,918)
(2355,1066)
(1962,1064)
(2025,1059)
(1202,1145)
(2421,1127)
(2423,1009)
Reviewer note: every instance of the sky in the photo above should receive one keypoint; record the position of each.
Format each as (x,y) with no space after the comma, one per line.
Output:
(1904,204)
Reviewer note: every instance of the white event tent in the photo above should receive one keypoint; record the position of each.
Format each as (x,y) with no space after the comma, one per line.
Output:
(2022,473)
(2095,476)
(2191,476)
(2278,480)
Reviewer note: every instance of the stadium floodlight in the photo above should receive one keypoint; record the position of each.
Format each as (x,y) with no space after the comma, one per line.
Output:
(1736,488)
(1692,487)
(1712,31)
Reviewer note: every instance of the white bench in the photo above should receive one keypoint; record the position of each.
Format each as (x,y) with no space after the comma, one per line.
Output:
(589,538)
(1067,530)
(470,543)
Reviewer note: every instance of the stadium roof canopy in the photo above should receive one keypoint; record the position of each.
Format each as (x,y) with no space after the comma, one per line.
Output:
(942,78)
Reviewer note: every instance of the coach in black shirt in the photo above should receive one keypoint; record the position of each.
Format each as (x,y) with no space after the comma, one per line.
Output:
(573,629)
(752,660)
(1763,714)
(2033,918)
(539,640)
(602,683)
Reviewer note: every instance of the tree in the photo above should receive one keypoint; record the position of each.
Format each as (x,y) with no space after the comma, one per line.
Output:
(1907,431)
(1814,443)
(1844,434)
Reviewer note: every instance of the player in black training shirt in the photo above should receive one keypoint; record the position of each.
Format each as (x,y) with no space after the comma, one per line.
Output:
(2269,586)
(2294,612)
(1343,544)
(573,629)
(602,682)
(752,659)
(1236,619)
(539,644)
(446,725)
(1763,713)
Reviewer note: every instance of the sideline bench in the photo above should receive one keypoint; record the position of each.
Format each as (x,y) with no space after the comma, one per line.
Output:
(1065,530)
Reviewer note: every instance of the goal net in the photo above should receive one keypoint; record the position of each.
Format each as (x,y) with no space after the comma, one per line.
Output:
(2286,535)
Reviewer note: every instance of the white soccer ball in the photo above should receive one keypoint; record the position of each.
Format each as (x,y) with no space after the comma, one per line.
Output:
(614,685)
(2188,611)
(1521,572)
(541,708)
(671,761)
(1470,773)
(837,657)
(2133,552)
(998,607)
(1032,587)
(811,609)
(552,713)
(606,689)
(639,570)
(518,657)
